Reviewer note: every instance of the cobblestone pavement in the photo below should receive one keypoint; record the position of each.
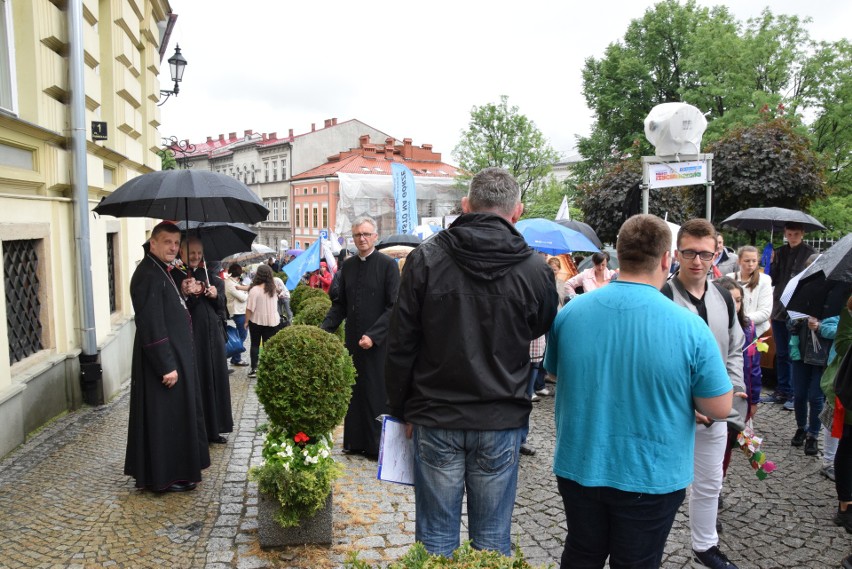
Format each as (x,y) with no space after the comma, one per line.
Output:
(65,503)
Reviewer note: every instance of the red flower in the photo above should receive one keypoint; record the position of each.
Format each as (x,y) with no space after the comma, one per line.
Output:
(301,438)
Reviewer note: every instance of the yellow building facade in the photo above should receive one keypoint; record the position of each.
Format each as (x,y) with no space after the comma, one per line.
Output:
(40,308)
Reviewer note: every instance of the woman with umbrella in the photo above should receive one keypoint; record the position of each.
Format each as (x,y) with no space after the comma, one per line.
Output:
(206,303)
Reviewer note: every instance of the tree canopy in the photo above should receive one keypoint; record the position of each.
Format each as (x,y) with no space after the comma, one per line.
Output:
(499,135)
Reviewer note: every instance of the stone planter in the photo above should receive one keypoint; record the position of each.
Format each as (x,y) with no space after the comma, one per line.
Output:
(314,530)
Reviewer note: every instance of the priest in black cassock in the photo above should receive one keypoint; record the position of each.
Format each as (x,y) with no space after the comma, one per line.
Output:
(368,287)
(207,308)
(166,440)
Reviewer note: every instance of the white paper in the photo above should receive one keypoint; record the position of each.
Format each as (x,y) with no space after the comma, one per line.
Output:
(396,453)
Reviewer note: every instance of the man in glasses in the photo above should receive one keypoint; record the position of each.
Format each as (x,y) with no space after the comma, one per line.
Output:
(367,290)
(696,249)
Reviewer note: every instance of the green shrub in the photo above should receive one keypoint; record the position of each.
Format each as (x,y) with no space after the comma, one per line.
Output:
(465,557)
(296,295)
(304,380)
(306,295)
(313,311)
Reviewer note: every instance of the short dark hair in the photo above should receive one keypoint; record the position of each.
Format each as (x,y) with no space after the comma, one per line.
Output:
(642,241)
(235,270)
(794,225)
(164,227)
(493,189)
(600,257)
(698,228)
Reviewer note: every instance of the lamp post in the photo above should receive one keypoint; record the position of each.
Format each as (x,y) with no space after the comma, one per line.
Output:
(182,147)
(177,64)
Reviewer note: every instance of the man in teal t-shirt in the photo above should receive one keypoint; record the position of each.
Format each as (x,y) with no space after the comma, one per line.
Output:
(631,370)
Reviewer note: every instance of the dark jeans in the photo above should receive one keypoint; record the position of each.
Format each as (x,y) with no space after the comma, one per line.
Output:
(808,395)
(239,321)
(843,466)
(259,334)
(628,527)
(783,365)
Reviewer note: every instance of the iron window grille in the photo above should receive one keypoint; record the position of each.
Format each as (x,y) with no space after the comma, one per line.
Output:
(23,325)
(111,242)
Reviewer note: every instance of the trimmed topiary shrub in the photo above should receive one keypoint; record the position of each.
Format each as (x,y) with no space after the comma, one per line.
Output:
(306,295)
(296,295)
(313,311)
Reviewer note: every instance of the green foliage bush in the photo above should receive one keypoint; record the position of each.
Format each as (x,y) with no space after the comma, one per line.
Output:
(296,295)
(465,557)
(313,310)
(304,380)
(305,294)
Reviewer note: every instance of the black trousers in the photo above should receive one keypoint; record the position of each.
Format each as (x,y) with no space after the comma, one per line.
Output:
(843,466)
(259,334)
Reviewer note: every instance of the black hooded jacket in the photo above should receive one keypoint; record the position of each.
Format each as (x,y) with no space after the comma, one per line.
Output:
(471,300)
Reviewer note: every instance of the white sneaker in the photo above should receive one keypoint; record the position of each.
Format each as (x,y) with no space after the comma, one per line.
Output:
(544,392)
(535,398)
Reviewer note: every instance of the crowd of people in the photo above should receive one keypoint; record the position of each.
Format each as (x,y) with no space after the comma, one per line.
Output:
(459,346)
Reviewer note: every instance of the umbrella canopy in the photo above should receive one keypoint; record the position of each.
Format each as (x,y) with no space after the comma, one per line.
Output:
(396,251)
(583,228)
(220,239)
(550,237)
(770,219)
(821,290)
(261,248)
(192,195)
(399,239)
(294,252)
(426,230)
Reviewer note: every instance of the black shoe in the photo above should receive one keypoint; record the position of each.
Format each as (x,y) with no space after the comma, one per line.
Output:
(712,558)
(220,440)
(179,487)
(527,450)
(844,518)
(231,370)
(811,446)
(846,563)
(252,373)
(799,438)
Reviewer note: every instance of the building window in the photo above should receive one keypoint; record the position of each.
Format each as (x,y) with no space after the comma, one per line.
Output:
(306,216)
(325,216)
(23,325)
(283,169)
(274,170)
(306,191)
(266,205)
(316,216)
(7,61)
(298,220)
(266,171)
(252,177)
(112,242)
(274,210)
(315,189)
(284,210)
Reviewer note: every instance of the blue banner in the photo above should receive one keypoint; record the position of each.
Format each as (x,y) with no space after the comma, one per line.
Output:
(405,198)
(304,263)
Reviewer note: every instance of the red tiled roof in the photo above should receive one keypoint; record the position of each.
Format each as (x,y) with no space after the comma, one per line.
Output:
(378,165)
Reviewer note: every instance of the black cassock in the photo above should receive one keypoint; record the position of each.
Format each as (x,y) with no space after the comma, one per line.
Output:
(367,292)
(166,440)
(209,335)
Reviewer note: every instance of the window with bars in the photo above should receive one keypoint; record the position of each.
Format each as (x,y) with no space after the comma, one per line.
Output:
(20,273)
(112,246)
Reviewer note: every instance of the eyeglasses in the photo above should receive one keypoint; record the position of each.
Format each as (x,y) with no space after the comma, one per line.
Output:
(362,235)
(689,254)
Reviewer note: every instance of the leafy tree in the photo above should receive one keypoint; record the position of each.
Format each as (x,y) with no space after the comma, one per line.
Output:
(835,212)
(767,164)
(499,135)
(167,159)
(547,201)
(607,203)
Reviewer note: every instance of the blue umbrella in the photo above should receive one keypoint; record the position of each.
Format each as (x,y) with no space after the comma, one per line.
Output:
(551,238)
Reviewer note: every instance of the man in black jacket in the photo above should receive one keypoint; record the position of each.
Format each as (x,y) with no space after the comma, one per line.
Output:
(471,300)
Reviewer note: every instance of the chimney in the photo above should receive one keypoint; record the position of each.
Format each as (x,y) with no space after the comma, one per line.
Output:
(364,140)
(264,136)
(248,133)
(389,141)
(290,134)
(389,151)
(407,150)
(313,127)
(209,139)
(327,123)
(222,138)
(426,147)
(273,136)
(334,121)
(232,135)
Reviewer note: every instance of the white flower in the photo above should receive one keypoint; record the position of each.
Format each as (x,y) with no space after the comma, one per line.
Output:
(324,453)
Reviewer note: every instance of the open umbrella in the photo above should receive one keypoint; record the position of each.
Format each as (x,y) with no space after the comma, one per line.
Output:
(399,239)
(583,228)
(261,248)
(191,195)
(821,290)
(550,237)
(770,219)
(294,252)
(220,240)
(426,230)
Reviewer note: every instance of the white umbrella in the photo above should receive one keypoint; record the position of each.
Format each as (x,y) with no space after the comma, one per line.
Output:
(261,248)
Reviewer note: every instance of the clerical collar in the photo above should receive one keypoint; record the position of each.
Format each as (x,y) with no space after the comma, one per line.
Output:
(364,258)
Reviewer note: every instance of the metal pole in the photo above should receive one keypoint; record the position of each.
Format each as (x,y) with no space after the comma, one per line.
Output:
(91,375)
(709,186)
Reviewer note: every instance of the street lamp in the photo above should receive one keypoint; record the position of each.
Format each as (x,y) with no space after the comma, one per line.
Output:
(177,63)
(183,147)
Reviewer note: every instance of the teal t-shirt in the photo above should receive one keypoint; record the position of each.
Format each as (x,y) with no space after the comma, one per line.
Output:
(628,363)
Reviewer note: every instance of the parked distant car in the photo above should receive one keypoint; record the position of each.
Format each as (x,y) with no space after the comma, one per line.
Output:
(612,264)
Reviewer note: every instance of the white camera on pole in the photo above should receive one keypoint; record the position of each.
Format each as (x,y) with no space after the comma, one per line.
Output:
(675,128)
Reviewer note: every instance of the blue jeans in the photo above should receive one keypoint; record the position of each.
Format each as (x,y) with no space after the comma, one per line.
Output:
(240,321)
(628,527)
(807,393)
(449,461)
(783,365)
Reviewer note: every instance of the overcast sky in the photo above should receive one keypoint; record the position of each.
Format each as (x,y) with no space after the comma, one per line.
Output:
(411,69)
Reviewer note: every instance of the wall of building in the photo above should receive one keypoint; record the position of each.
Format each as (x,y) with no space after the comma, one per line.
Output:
(121,41)
(314,148)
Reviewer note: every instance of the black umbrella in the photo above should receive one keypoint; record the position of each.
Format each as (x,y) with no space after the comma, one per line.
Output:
(220,239)
(399,239)
(823,287)
(770,219)
(192,195)
(583,228)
